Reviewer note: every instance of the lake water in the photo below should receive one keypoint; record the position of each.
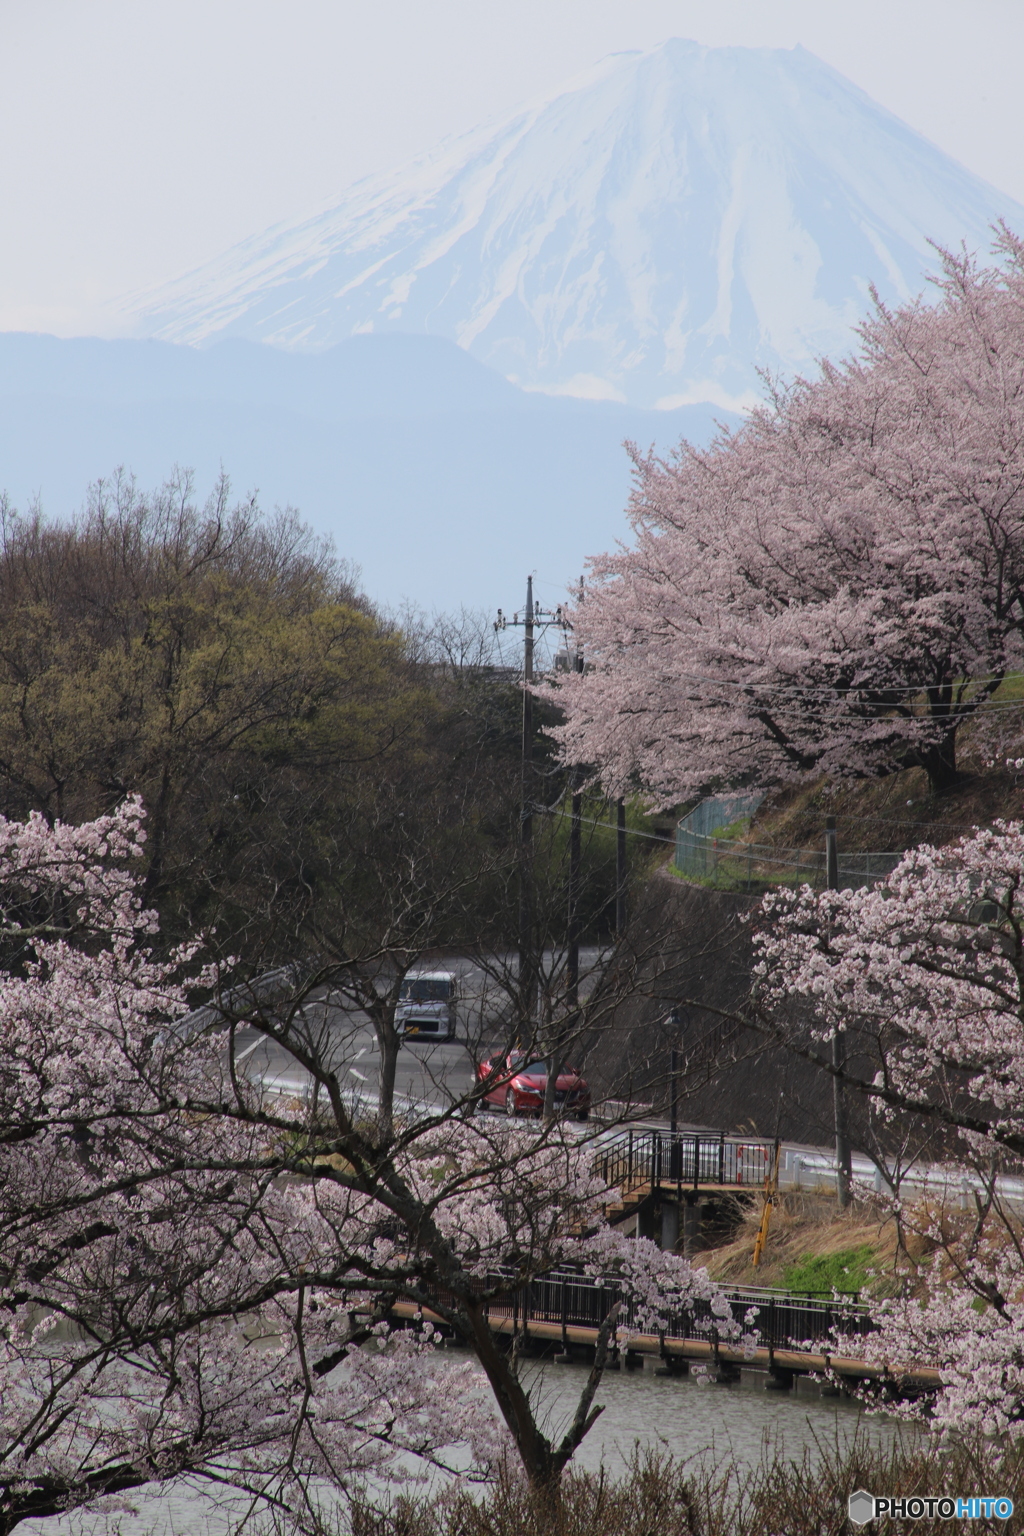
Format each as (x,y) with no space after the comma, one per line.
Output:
(682,1415)
(686,1416)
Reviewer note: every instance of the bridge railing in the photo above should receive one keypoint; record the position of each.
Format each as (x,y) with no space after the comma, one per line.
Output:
(780,1319)
(657,1159)
(786,1318)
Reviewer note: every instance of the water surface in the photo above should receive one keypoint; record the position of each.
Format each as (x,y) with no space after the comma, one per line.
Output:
(683,1416)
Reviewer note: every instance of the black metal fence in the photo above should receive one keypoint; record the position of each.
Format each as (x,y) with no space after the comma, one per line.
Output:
(657,1159)
(781,1320)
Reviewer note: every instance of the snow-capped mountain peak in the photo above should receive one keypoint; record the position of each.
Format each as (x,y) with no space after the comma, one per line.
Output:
(655,232)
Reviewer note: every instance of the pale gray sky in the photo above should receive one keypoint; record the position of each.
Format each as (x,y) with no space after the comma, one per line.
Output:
(138,138)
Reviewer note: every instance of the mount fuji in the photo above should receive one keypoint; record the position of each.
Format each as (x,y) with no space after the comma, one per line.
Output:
(458,349)
(654,234)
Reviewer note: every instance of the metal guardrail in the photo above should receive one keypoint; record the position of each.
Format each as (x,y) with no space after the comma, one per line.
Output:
(246,996)
(656,1159)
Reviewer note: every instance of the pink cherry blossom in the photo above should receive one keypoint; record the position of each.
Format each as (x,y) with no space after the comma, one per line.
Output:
(835,587)
(200,1277)
(924,974)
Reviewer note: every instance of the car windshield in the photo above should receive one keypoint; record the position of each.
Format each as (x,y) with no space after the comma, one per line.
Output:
(540,1069)
(422,991)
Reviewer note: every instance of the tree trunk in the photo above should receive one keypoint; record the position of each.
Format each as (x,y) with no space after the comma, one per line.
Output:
(157,820)
(939,763)
(387,1044)
(532,1444)
(542,1462)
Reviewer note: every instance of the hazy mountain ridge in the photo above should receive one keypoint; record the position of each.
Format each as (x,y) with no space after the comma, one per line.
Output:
(441,479)
(655,232)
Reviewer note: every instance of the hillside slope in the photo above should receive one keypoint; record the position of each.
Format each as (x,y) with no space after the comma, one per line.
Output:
(736,1080)
(888,815)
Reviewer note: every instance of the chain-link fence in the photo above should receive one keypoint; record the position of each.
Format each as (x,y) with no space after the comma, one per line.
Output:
(712,848)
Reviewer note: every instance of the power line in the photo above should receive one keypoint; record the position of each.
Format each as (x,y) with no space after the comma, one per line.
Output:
(762,853)
(828,690)
(894,821)
(609,826)
(887,821)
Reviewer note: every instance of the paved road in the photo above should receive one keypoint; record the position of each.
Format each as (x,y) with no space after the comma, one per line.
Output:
(429,1071)
(432,1072)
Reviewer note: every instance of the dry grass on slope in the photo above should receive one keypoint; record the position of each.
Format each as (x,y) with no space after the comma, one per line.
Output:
(806,1227)
(887,815)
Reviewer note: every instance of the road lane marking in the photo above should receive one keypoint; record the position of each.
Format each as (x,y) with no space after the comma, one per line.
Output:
(249,1049)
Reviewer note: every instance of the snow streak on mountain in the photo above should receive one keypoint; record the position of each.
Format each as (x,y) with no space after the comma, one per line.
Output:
(654,233)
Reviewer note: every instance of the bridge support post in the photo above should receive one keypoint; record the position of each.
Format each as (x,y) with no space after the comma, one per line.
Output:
(667,1364)
(645,1220)
(829,1387)
(779,1380)
(723,1372)
(669,1225)
(566,1356)
(692,1235)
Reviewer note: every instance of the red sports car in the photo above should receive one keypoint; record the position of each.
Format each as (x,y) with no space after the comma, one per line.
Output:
(517,1084)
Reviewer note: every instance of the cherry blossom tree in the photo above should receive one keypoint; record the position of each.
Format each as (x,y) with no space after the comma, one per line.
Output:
(199,1277)
(925,975)
(837,586)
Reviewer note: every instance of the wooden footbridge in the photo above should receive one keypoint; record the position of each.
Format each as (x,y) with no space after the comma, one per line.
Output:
(560,1314)
(797,1333)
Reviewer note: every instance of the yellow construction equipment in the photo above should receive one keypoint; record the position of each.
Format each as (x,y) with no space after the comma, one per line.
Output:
(771,1194)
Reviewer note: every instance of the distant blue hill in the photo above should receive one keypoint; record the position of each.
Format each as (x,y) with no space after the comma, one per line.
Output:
(445,482)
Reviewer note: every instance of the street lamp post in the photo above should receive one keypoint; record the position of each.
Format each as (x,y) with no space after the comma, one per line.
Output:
(675,1151)
(844,1167)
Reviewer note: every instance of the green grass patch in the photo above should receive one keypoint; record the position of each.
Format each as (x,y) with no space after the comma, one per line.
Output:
(727,879)
(846,1271)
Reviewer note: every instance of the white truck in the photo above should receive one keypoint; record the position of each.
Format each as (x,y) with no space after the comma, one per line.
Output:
(426,1004)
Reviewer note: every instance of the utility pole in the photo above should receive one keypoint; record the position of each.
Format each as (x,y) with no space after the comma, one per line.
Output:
(675,1151)
(573,925)
(844,1168)
(532,616)
(527,959)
